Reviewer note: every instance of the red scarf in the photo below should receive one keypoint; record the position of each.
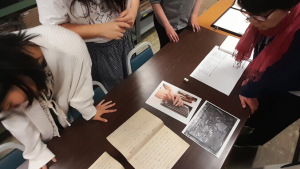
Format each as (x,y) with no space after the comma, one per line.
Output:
(284,34)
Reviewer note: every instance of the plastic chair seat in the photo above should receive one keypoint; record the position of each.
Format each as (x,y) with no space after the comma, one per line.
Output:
(12,160)
(140,59)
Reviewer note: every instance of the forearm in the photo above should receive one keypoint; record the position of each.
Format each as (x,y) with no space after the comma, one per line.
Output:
(135,4)
(82,99)
(197,7)
(85,31)
(160,14)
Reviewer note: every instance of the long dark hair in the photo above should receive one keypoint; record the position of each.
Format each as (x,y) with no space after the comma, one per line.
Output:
(258,7)
(114,5)
(15,64)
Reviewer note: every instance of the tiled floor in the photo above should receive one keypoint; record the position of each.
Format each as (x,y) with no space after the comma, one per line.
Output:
(278,150)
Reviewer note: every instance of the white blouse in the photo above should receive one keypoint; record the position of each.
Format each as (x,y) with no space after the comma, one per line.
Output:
(69,61)
(55,12)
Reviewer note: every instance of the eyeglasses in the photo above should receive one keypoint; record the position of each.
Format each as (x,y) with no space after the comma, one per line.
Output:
(258,18)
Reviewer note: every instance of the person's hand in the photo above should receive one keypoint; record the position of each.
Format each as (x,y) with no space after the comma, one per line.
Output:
(177,101)
(163,94)
(127,16)
(194,23)
(103,109)
(172,34)
(114,30)
(251,102)
(45,166)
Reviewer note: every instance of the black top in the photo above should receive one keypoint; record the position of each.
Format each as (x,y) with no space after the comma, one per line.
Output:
(283,76)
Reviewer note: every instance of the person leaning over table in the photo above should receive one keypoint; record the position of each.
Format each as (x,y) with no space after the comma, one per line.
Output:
(272,86)
(173,16)
(43,72)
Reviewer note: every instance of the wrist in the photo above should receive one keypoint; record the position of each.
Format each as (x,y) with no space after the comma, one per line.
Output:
(168,26)
(98,30)
(194,14)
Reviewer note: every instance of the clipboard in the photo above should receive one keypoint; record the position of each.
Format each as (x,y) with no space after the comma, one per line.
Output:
(232,21)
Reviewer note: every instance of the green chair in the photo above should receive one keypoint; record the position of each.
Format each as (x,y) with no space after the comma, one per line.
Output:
(133,63)
(100,92)
(13,159)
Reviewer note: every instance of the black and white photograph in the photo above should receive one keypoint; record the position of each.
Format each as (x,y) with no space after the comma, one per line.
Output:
(174,102)
(211,128)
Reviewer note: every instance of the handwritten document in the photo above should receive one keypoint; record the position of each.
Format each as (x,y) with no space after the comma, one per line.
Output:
(217,70)
(147,143)
(105,161)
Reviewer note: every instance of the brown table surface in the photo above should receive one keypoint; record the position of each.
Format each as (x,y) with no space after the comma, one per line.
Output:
(82,143)
(213,13)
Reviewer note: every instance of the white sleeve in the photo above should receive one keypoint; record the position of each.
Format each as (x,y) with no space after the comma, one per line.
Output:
(52,12)
(82,99)
(35,150)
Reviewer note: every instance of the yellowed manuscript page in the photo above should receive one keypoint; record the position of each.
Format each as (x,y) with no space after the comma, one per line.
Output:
(132,135)
(105,161)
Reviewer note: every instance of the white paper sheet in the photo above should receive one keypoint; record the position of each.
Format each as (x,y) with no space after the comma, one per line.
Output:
(211,128)
(229,44)
(191,107)
(233,20)
(105,161)
(217,70)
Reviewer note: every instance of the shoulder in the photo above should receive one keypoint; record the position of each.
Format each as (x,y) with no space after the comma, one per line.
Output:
(61,39)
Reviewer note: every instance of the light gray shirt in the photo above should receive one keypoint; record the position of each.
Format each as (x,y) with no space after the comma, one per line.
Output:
(178,12)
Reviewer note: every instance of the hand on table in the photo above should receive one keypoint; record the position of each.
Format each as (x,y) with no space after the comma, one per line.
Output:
(194,23)
(45,166)
(172,34)
(103,109)
(114,30)
(128,16)
(251,102)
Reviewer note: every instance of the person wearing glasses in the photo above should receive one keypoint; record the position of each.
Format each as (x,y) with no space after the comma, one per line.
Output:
(172,17)
(272,85)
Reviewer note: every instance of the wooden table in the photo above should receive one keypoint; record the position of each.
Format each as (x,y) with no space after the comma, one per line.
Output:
(213,13)
(82,143)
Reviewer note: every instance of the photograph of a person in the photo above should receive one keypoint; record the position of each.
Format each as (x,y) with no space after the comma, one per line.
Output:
(174,102)
(211,128)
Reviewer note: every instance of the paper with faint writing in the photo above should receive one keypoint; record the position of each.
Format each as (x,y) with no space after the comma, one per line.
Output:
(218,71)
(135,132)
(143,139)
(162,151)
(105,161)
